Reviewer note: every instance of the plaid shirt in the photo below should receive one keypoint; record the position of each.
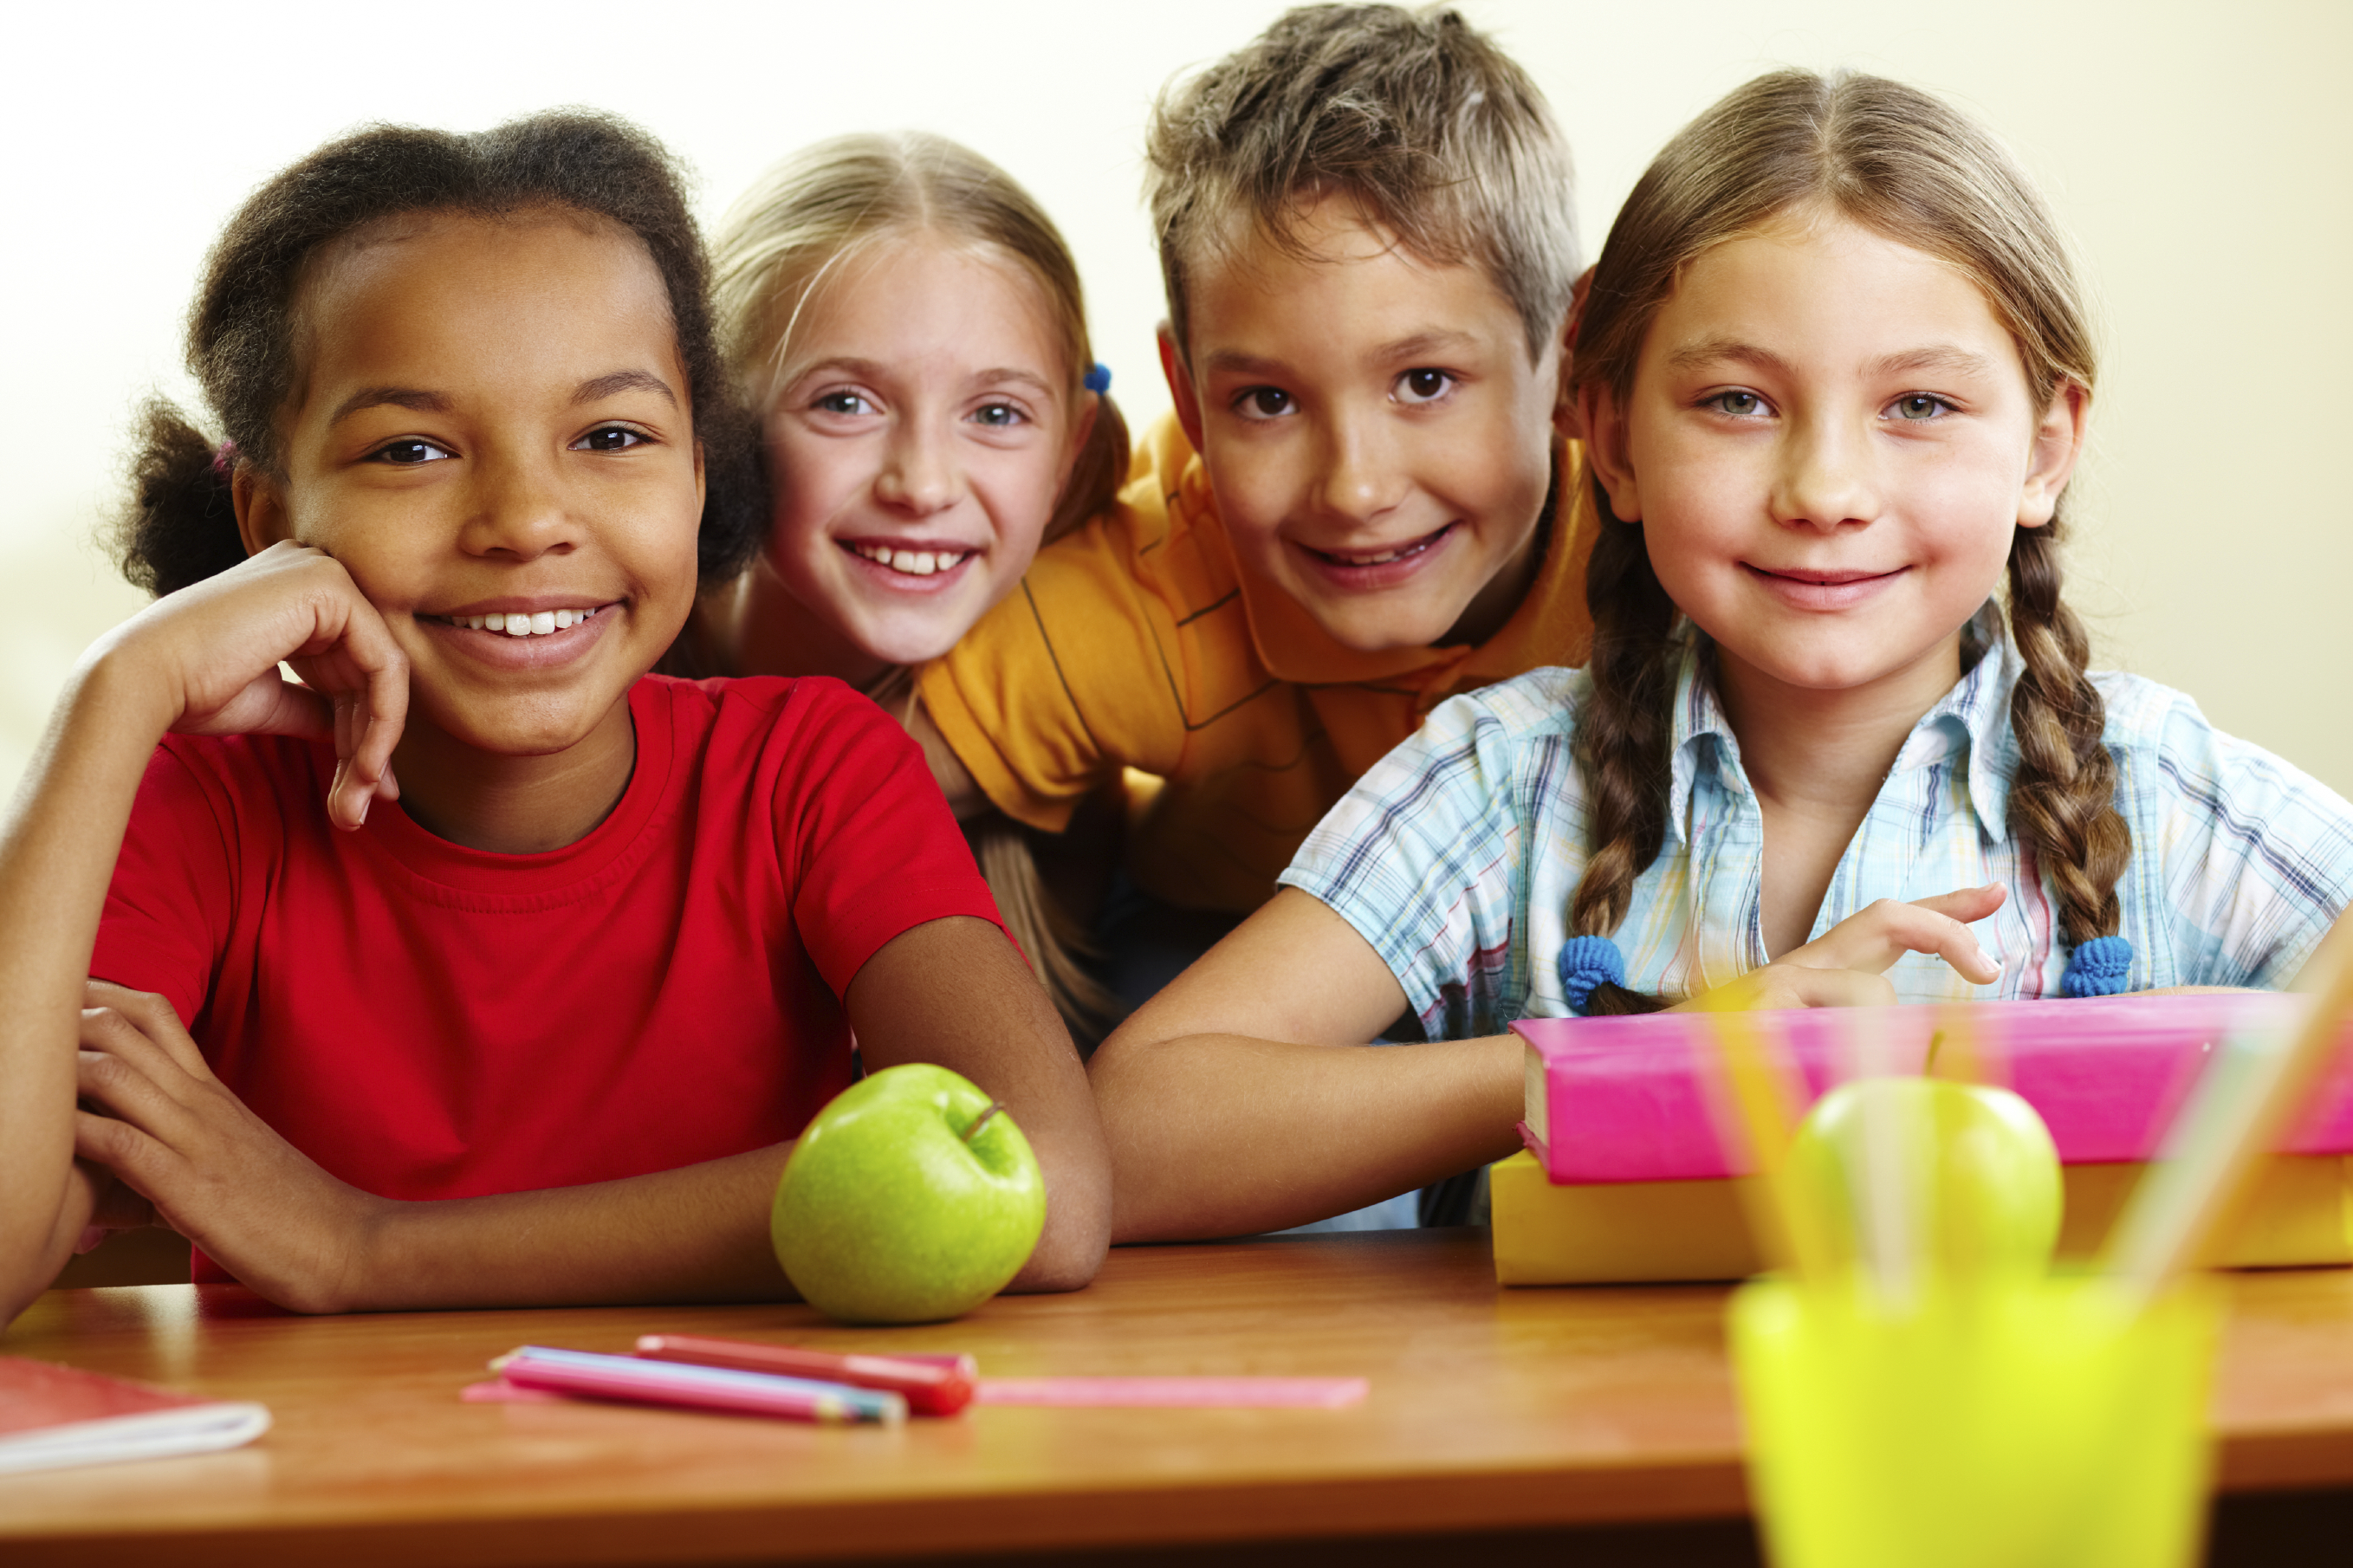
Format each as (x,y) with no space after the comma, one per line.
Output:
(1457,855)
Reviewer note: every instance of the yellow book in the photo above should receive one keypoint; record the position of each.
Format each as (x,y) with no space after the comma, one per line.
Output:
(2300,1214)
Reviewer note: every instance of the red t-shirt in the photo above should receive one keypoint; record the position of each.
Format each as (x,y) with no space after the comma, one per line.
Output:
(428,1021)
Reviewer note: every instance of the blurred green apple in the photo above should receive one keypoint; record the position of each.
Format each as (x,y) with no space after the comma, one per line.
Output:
(910,1198)
(1976,1165)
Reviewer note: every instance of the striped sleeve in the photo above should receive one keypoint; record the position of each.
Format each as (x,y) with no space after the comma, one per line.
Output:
(2256,857)
(1425,856)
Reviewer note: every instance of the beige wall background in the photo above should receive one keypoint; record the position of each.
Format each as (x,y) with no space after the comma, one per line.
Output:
(2201,154)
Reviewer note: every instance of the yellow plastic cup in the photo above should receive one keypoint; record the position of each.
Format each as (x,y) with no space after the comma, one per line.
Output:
(2009,1423)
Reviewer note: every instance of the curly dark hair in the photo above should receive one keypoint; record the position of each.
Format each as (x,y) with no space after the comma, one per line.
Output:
(179,528)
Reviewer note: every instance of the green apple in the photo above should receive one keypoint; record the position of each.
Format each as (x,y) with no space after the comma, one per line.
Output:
(912,1198)
(1978,1174)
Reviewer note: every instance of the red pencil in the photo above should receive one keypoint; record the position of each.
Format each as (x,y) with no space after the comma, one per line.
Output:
(931,1385)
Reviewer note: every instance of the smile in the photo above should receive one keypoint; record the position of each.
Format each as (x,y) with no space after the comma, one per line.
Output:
(1384,557)
(1809,588)
(911,562)
(518,624)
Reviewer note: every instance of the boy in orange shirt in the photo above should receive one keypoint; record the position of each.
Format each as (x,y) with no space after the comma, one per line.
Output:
(1367,237)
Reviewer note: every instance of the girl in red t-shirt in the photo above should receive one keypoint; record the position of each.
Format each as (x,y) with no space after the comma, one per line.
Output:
(539,1031)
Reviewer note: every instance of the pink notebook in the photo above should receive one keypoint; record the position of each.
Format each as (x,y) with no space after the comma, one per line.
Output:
(52,1415)
(1623,1100)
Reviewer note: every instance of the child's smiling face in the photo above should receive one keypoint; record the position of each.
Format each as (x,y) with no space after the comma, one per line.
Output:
(494,421)
(918,446)
(1830,442)
(1378,439)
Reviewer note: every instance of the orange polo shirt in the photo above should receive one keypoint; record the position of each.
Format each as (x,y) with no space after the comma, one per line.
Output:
(1139,642)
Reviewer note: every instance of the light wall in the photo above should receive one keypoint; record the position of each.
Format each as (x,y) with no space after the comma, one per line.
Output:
(2200,153)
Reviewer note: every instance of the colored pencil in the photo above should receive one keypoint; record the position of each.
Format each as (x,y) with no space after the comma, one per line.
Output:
(636,1381)
(939,1387)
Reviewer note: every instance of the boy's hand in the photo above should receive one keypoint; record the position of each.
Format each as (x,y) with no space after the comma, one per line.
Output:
(213,1171)
(209,654)
(1843,966)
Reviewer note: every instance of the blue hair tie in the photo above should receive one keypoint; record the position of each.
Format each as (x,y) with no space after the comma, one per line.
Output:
(1098,378)
(2097,967)
(1587,962)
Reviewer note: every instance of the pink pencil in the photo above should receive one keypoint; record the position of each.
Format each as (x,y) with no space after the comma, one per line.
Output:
(639,1382)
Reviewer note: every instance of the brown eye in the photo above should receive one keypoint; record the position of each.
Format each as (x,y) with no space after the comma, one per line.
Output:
(610,439)
(1423,385)
(1264,402)
(407,454)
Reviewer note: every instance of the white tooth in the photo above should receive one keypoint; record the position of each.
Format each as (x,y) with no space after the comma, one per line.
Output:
(495,622)
(517,625)
(474,623)
(947,561)
(926,563)
(544,622)
(563,620)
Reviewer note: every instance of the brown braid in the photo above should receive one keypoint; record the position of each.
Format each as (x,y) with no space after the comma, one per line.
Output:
(1622,732)
(2062,801)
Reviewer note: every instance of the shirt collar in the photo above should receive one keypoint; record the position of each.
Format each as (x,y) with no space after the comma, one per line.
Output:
(1971,720)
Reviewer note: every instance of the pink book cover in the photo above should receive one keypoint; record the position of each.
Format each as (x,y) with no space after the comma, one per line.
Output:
(1629,1099)
(52,1415)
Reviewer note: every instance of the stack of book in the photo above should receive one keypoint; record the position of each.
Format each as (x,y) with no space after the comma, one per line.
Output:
(1629,1175)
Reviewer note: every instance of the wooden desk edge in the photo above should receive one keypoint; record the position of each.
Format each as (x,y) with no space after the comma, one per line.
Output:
(994,1522)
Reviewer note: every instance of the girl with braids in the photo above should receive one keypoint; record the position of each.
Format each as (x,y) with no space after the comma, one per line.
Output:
(536,1022)
(1836,745)
(909,323)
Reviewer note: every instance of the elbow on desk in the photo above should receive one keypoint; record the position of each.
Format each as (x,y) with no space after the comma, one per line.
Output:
(1071,1250)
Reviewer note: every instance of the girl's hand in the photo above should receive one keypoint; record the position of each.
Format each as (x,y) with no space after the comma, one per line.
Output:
(215,649)
(213,1171)
(1843,966)
(113,1206)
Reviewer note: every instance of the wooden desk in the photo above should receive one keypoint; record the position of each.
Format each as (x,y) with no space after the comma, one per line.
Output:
(1513,1411)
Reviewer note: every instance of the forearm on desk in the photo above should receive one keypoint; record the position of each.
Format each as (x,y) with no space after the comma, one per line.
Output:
(1224,1135)
(696,1234)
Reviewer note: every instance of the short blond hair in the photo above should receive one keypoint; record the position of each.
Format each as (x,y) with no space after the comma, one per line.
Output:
(1432,131)
(815,212)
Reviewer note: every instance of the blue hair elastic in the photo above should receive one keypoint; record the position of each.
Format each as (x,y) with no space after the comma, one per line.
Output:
(1098,378)
(2097,967)
(1587,962)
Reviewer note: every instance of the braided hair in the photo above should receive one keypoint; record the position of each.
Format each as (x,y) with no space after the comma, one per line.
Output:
(1902,164)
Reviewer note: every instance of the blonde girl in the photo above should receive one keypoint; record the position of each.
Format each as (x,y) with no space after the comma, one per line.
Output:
(909,324)
(1835,373)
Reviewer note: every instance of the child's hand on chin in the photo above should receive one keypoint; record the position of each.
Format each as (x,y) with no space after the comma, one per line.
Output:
(1843,966)
(209,656)
(213,1171)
